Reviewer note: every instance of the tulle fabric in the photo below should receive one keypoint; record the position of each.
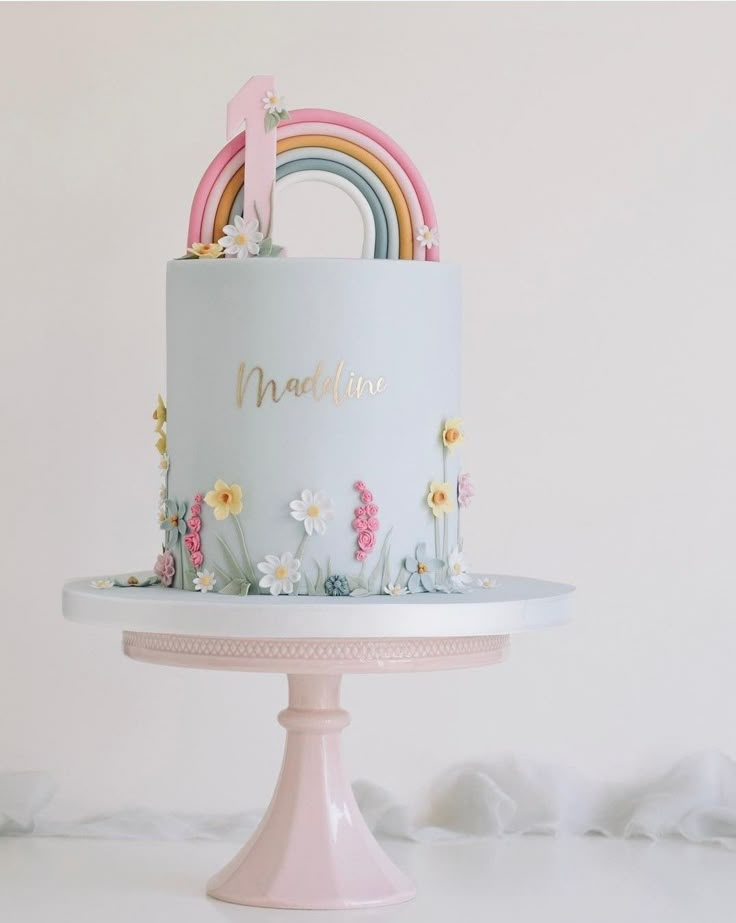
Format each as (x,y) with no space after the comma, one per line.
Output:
(695,800)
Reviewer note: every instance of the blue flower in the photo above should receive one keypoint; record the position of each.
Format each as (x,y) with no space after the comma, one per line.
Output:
(337,586)
(173,522)
(422,571)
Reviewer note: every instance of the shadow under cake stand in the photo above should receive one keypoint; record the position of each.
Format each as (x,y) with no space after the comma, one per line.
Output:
(313,850)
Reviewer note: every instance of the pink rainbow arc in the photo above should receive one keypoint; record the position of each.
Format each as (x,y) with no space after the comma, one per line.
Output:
(324,121)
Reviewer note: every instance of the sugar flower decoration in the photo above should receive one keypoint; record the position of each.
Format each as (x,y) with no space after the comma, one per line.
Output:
(487,583)
(204,581)
(280,574)
(165,568)
(276,111)
(439,498)
(159,414)
(458,569)
(427,237)
(161,444)
(465,490)
(241,239)
(225,499)
(452,434)
(273,103)
(337,585)
(104,584)
(173,523)
(136,580)
(314,509)
(206,251)
(393,589)
(421,571)
(164,463)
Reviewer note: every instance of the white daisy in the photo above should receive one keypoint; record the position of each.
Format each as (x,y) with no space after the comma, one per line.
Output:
(204,581)
(281,574)
(273,103)
(393,589)
(427,237)
(487,583)
(459,570)
(313,510)
(104,584)
(242,238)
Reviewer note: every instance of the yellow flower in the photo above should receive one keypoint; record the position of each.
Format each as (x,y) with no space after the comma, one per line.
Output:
(225,499)
(439,498)
(452,434)
(161,443)
(159,414)
(206,251)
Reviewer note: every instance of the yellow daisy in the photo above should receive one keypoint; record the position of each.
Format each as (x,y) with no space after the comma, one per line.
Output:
(225,499)
(206,251)
(452,434)
(159,414)
(439,498)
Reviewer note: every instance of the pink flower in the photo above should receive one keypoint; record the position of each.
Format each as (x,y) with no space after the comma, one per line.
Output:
(366,496)
(366,541)
(373,524)
(360,555)
(360,525)
(165,567)
(192,542)
(197,558)
(195,509)
(359,486)
(361,512)
(198,498)
(465,490)
(372,510)
(195,523)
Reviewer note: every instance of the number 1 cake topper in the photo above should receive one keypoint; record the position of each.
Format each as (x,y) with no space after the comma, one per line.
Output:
(235,197)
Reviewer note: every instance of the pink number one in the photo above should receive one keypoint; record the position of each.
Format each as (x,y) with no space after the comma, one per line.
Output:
(246,109)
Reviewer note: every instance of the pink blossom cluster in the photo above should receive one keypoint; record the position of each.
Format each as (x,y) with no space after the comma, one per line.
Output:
(365,523)
(465,490)
(192,539)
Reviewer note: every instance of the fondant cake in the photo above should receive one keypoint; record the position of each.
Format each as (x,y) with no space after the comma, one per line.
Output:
(310,442)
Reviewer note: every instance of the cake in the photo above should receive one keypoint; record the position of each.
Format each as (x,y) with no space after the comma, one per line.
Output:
(311,437)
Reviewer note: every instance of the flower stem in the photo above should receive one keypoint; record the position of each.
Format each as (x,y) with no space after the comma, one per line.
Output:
(248,563)
(299,556)
(436,537)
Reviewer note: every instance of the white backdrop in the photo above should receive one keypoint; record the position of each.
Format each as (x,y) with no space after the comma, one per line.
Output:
(582,159)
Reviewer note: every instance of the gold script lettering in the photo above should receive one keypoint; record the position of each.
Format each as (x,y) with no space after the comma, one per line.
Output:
(317,385)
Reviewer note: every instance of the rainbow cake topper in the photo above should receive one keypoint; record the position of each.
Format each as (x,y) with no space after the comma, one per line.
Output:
(271,148)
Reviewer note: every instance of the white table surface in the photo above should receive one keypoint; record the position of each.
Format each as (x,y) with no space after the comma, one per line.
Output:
(530,879)
(516,604)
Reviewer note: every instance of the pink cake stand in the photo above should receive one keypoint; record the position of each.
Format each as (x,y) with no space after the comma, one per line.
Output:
(313,850)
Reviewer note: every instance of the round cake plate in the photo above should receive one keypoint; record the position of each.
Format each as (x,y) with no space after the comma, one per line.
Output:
(313,850)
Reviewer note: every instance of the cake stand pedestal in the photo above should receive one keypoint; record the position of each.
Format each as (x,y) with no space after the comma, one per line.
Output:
(313,850)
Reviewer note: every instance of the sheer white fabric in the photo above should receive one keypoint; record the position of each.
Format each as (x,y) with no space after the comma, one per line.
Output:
(696,800)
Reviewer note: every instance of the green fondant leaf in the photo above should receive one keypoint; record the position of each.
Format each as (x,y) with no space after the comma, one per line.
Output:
(236,588)
(319,583)
(266,247)
(360,591)
(276,250)
(225,576)
(378,569)
(232,564)
(271,121)
(311,591)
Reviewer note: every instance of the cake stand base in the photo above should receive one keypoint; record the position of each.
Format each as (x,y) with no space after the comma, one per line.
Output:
(312,850)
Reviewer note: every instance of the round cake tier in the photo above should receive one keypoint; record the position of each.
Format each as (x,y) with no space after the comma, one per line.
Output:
(294,375)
